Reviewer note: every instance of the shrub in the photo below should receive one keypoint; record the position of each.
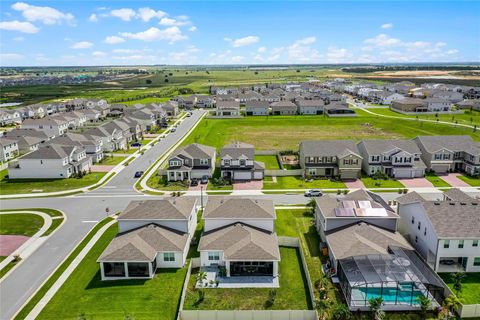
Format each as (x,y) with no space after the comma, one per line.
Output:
(272,295)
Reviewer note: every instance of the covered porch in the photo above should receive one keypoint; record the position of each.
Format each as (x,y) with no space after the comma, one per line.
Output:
(217,277)
(127,270)
(452,264)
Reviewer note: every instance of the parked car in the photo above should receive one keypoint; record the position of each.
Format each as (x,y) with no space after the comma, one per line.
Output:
(136,144)
(313,193)
(447,262)
(138,174)
(194,182)
(204,180)
(173,129)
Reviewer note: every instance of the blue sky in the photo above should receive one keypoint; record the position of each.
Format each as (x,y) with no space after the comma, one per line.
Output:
(199,32)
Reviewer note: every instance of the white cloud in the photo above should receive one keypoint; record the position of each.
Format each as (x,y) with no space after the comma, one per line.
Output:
(125,14)
(10,56)
(387,26)
(99,54)
(93,18)
(46,15)
(82,45)
(113,40)
(241,42)
(300,51)
(237,59)
(187,56)
(147,13)
(19,39)
(337,55)
(171,35)
(169,22)
(15,25)
(306,41)
(382,40)
(262,49)
(192,29)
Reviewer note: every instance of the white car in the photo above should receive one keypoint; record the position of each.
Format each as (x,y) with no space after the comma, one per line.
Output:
(313,193)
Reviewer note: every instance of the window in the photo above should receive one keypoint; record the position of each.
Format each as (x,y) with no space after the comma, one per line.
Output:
(213,256)
(419,225)
(475,243)
(416,238)
(203,162)
(243,162)
(460,244)
(174,163)
(425,231)
(446,244)
(476,261)
(169,256)
(413,219)
(226,162)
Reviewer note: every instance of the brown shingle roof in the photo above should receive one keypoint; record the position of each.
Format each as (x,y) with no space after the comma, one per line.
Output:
(165,209)
(239,208)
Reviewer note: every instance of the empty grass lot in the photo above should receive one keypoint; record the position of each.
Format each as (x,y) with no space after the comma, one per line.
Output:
(271,162)
(473,181)
(19,186)
(285,132)
(24,224)
(296,182)
(292,294)
(88,297)
(470,287)
(436,180)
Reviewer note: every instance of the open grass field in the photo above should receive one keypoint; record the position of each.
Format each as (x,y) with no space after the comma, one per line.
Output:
(23,224)
(19,186)
(292,294)
(473,181)
(286,132)
(87,296)
(471,287)
(436,180)
(271,162)
(296,182)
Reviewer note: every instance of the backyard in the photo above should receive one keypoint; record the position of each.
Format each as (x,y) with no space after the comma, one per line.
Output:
(271,162)
(471,287)
(88,297)
(297,182)
(19,186)
(292,294)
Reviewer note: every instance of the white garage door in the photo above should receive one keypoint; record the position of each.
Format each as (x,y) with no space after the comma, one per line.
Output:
(240,175)
(440,169)
(258,175)
(403,174)
(419,173)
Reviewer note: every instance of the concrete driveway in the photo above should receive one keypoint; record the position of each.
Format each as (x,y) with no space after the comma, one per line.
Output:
(248,185)
(416,183)
(10,243)
(454,181)
(198,187)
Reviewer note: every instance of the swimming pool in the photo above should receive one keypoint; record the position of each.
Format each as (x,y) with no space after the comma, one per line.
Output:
(404,295)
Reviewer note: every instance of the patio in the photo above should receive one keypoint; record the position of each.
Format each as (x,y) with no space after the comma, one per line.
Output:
(213,274)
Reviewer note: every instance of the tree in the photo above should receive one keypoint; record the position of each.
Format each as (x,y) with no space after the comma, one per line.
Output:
(457,279)
(322,306)
(451,303)
(148,81)
(341,312)
(425,305)
(201,276)
(375,305)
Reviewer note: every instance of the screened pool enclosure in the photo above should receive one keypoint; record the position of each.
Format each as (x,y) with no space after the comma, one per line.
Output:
(399,278)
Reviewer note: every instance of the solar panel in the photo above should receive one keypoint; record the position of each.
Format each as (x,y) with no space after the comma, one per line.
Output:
(349,204)
(344,212)
(364,204)
(360,212)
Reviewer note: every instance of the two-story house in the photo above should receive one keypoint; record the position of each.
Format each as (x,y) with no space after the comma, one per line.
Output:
(237,163)
(330,158)
(310,106)
(227,109)
(395,158)
(8,149)
(239,236)
(191,162)
(283,107)
(445,233)
(443,154)
(51,126)
(257,108)
(112,139)
(152,234)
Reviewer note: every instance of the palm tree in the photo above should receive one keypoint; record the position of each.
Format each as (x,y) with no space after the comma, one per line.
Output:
(425,304)
(375,305)
(201,277)
(341,312)
(457,279)
(452,303)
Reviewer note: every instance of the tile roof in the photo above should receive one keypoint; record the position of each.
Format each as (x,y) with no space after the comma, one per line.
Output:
(239,208)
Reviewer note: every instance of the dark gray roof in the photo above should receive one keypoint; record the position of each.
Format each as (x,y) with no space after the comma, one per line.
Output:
(456,194)
(53,151)
(195,151)
(164,209)
(378,146)
(454,219)
(238,149)
(318,148)
(433,144)
(239,208)
(310,103)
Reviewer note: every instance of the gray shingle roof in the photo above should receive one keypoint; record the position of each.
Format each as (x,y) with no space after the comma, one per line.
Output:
(453,143)
(238,149)
(142,244)
(377,146)
(454,219)
(195,151)
(310,103)
(239,208)
(242,242)
(165,209)
(318,148)
(52,151)
(224,105)
(456,194)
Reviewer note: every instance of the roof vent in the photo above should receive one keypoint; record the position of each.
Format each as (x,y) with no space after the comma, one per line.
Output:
(463,203)
(451,203)
(474,203)
(436,203)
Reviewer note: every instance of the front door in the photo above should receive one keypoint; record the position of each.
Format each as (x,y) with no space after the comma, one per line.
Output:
(328,172)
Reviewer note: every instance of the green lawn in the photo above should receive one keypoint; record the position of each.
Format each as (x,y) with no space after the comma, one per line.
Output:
(271,162)
(285,132)
(292,294)
(19,186)
(160,183)
(474,182)
(86,295)
(471,287)
(111,161)
(296,182)
(7,268)
(50,212)
(145,141)
(436,180)
(371,183)
(24,224)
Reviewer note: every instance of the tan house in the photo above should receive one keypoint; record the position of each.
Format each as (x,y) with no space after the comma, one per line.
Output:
(409,105)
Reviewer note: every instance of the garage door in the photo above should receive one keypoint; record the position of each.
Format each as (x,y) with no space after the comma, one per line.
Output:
(350,174)
(419,173)
(258,175)
(242,175)
(403,174)
(440,169)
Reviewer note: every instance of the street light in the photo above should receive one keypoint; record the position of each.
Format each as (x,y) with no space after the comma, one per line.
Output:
(201,196)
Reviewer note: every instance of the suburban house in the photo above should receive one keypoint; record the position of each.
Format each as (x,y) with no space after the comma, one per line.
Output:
(395,158)
(283,107)
(445,233)
(93,145)
(239,236)
(409,105)
(112,139)
(51,126)
(227,109)
(330,158)
(237,163)
(257,108)
(8,149)
(443,154)
(438,104)
(50,162)
(387,98)
(364,247)
(310,106)
(192,161)
(171,108)
(152,234)
(338,109)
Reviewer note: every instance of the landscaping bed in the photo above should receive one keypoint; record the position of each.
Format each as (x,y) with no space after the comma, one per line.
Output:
(160,183)
(297,182)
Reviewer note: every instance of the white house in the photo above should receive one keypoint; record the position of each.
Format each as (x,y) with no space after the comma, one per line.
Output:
(8,149)
(152,234)
(445,233)
(51,126)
